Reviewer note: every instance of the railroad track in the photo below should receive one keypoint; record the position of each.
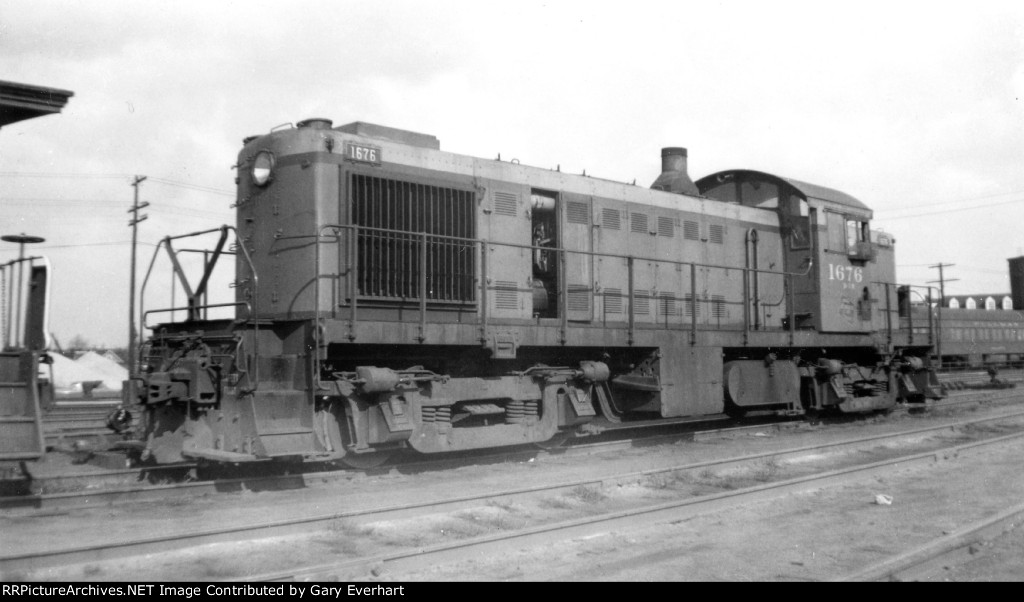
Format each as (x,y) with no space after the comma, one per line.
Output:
(424,555)
(151,491)
(136,485)
(406,561)
(977,378)
(72,419)
(930,558)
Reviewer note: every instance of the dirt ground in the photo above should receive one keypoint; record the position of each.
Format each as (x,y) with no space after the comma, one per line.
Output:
(814,535)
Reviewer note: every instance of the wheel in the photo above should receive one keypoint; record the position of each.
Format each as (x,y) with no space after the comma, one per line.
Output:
(331,428)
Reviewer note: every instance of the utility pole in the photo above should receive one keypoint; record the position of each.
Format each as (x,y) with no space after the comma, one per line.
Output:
(942,299)
(134,223)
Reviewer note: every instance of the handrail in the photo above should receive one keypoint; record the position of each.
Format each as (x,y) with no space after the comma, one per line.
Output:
(560,250)
(357,229)
(21,260)
(251,307)
(693,300)
(933,323)
(317,384)
(201,289)
(244,304)
(421,239)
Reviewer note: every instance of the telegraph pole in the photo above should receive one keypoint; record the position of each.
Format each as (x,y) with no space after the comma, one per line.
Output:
(134,223)
(942,299)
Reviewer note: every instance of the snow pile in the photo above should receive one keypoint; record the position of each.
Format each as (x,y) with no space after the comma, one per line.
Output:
(69,374)
(110,372)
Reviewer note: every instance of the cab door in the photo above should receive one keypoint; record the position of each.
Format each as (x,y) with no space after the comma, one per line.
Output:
(797,223)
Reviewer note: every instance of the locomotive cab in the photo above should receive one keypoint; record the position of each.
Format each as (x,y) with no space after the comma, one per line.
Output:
(845,276)
(842,285)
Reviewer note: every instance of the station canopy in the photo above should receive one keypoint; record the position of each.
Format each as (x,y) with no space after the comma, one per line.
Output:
(19,102)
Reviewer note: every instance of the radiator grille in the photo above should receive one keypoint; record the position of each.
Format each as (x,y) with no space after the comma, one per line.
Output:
(667,305)
(579,298)
(505,295)
(641,303)
(613,300)
(611,219)
(666,227)
(716,233)
(390,255)
(506,203)
(691,306)
(577,213)
(638,223)
(718,306)
(691,230)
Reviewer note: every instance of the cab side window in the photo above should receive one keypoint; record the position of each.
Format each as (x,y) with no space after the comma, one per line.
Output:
(836,225)
(856,231)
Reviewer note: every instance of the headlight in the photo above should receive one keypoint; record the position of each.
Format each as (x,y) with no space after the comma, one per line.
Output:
(262,168)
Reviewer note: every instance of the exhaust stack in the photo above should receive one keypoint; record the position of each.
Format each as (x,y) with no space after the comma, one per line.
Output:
(674,177)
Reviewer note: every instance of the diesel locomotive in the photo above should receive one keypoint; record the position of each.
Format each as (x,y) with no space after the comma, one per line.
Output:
(389,295)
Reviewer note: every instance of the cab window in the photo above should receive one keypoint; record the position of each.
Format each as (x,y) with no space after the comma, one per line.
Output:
(836,224)
(856,231)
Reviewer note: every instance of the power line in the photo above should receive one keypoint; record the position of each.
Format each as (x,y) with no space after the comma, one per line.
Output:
(196,187)
(988,271)
(967,200)
(93,244)
(1020,200)
(83,176)
(91,204)
(58,201)
(98,176)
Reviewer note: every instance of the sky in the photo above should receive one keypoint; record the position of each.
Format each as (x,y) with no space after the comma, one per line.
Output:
(915,108)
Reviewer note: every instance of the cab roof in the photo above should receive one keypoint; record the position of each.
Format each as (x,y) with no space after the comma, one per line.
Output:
(826,196)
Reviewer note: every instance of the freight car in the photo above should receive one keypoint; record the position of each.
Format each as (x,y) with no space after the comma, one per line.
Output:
(392,295)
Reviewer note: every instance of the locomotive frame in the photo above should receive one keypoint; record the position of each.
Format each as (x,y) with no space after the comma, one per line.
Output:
(391,295)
